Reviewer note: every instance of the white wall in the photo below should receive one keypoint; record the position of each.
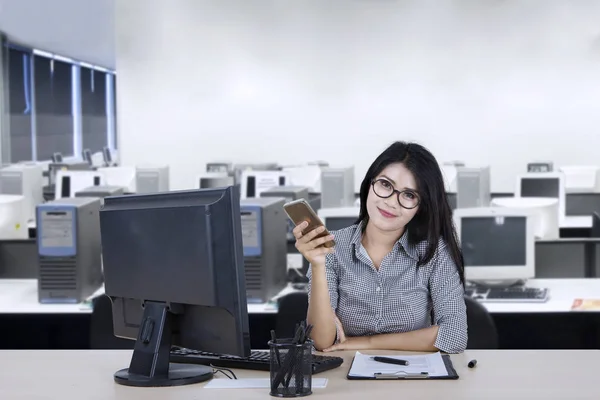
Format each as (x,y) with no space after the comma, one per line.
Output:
(485,81)
(81,29)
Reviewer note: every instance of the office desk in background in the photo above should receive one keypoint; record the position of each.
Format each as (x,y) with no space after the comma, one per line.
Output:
(520,325)
(548,375)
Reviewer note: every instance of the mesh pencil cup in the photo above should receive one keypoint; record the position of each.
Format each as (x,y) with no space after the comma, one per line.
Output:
(291,368)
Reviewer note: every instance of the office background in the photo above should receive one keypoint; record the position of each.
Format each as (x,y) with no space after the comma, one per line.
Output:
(486,82)
(499,83)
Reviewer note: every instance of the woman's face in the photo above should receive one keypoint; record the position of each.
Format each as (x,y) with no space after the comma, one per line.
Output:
(386,213)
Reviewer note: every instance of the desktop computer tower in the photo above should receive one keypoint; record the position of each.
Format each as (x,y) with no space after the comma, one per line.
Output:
(25,180)
(69,249)
(152,179)
(264,226)
(337,187)
(289,193)
(473,187)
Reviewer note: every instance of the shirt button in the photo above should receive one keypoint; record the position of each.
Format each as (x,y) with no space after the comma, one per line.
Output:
(378,288)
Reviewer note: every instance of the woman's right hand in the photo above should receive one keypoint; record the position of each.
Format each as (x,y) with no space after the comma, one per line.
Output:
(308,246)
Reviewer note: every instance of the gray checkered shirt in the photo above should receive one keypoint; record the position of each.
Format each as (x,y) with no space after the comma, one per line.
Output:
(399,297)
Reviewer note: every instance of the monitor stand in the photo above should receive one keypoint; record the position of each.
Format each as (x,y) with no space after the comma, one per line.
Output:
(150,366)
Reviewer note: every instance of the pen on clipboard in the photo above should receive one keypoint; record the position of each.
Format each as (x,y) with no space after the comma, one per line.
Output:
(389,360)
(401,374)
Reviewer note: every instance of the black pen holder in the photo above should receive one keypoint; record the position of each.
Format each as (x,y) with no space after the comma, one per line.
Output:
(291,368)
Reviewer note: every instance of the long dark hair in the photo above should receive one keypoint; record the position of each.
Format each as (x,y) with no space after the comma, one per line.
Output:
(434,217)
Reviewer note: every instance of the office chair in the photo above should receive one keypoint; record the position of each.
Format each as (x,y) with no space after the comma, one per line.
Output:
(101,327)
(292,309)
(482,330)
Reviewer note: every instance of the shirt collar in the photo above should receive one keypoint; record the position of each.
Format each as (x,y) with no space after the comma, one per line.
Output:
(409,248)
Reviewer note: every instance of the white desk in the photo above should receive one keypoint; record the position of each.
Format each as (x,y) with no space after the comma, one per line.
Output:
(575,222)
(562,294)
(499,375)
(20,296)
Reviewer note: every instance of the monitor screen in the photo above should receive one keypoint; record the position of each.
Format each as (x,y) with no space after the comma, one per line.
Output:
(494,241)
(540,187)
(336,223)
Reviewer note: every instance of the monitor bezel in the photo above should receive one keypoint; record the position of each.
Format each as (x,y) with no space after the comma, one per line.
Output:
(547,175)
(338,212)
(500,272)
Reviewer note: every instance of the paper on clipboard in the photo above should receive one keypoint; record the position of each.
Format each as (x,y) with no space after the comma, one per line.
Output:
(364,366)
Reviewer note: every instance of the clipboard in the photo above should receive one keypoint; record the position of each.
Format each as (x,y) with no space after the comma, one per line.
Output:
(452,375)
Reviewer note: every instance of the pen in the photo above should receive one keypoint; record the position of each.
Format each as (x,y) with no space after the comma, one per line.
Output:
(389,360)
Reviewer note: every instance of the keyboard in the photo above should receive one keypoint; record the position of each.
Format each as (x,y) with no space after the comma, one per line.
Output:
(517,294)
(258,360)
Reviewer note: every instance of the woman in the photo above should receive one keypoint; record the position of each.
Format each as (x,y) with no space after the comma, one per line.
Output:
(395,279)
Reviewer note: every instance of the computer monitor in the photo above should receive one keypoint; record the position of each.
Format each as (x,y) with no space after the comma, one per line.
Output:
(255,182)
(595,225)
(337,187)
(546,184)
(57,157)
(498,243)
(25,180)
(473,187)
(174,270)
(211,180)
(119,176)
(152,179)
(68,182)
(545,210)
(540,166)
(107,156)
(87,156)
(13,217)
(338,218)
(581,178)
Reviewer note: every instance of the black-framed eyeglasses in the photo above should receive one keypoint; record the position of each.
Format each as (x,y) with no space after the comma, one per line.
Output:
(407,198)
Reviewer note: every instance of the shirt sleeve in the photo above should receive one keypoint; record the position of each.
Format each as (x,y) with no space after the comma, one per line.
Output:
(332,280)
(449,309)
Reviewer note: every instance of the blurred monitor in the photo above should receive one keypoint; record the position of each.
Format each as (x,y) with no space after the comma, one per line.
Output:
(498,243)
(69,182)
(254,182)
(540,166)
(338,218)
(57,157)
(87,156)
(581,178)
(545,212)
(550,185)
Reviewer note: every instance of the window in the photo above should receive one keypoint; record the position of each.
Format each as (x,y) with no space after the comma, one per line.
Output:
(53,100)
(57,104)
(20,105)
(94,124)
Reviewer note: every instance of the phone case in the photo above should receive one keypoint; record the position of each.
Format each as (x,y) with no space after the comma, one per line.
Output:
(299,211)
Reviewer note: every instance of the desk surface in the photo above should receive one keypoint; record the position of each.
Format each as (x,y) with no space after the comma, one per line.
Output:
(500,374)
(577,222)
(20,296)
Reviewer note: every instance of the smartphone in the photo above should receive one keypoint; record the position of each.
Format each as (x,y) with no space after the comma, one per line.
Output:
(299,211)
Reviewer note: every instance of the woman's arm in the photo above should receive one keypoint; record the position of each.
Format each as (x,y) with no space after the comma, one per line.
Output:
(418,340)
(322,300)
